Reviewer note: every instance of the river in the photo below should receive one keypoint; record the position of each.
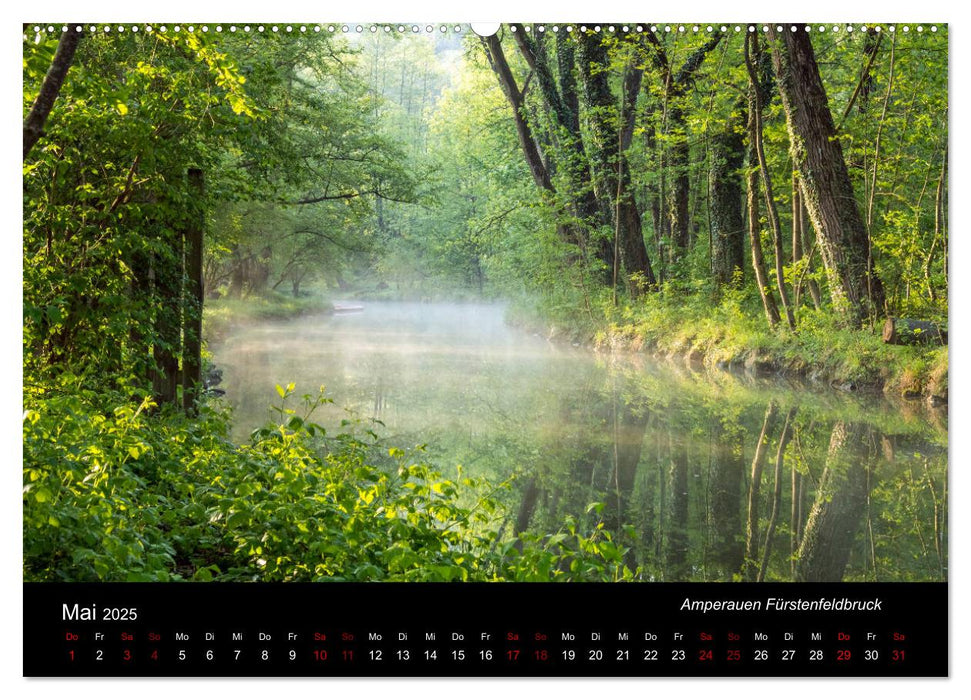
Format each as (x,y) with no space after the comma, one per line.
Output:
(702,476)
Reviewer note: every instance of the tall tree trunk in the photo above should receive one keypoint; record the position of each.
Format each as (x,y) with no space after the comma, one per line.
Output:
(766,176)
(797,223)
(195,294)
(809,246)
(657,195)
(754,229)
(679,163)
(168,320)
(50,88)
(562,107)
(677,84)
(800,240)
(727,217)
(611,176)
(940,230)
(827,189)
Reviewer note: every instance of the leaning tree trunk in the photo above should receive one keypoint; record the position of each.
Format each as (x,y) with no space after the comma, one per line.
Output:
(497,59)
(538,166)
(826,186)
(835,518)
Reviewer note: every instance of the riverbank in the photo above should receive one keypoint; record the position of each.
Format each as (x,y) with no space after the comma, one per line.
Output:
(725,337)
(728,338)
(220,315)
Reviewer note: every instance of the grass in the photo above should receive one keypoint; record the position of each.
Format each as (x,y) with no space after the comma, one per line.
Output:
(734,334)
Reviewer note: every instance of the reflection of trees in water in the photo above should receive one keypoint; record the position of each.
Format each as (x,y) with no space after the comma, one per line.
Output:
(838,509)
(675,546)
(761,492)
(698,480)
(725,551)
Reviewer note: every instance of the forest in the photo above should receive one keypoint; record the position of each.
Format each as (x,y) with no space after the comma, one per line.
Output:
(761,201)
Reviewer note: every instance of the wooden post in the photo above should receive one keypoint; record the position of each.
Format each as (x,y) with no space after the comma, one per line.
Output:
(192,328)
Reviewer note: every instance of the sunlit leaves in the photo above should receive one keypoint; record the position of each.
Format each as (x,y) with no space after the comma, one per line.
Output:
(285,507)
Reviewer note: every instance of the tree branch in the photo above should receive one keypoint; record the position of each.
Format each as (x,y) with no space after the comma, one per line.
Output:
(348,195)
(49,89)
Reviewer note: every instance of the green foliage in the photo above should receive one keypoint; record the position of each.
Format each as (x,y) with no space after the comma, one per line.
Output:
(392,167)
(115,491)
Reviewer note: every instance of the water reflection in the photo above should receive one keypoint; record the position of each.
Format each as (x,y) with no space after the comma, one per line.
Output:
(702,477)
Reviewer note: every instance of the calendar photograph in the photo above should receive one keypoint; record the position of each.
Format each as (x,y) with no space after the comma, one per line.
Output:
(459,304)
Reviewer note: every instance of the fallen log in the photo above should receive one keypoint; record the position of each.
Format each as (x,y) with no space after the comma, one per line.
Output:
(909,331)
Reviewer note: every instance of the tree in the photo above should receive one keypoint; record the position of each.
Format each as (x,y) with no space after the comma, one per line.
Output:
(50,88)
(610,138)
(824,179)
(725,183)
(677,83)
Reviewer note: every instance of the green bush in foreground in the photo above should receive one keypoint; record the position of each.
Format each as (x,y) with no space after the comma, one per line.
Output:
(115,491)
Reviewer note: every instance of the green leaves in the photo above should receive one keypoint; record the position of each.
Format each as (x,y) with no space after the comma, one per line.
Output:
(114,493)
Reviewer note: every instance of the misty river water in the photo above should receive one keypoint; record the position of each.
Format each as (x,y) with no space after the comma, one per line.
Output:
(704,476)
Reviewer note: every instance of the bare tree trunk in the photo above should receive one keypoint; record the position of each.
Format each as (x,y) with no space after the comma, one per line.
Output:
(50,88)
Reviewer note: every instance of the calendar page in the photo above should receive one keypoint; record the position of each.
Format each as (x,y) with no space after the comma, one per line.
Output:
(449,349)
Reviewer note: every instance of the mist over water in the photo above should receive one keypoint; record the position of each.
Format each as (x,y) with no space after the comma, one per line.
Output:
(670,453)
(409,365)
